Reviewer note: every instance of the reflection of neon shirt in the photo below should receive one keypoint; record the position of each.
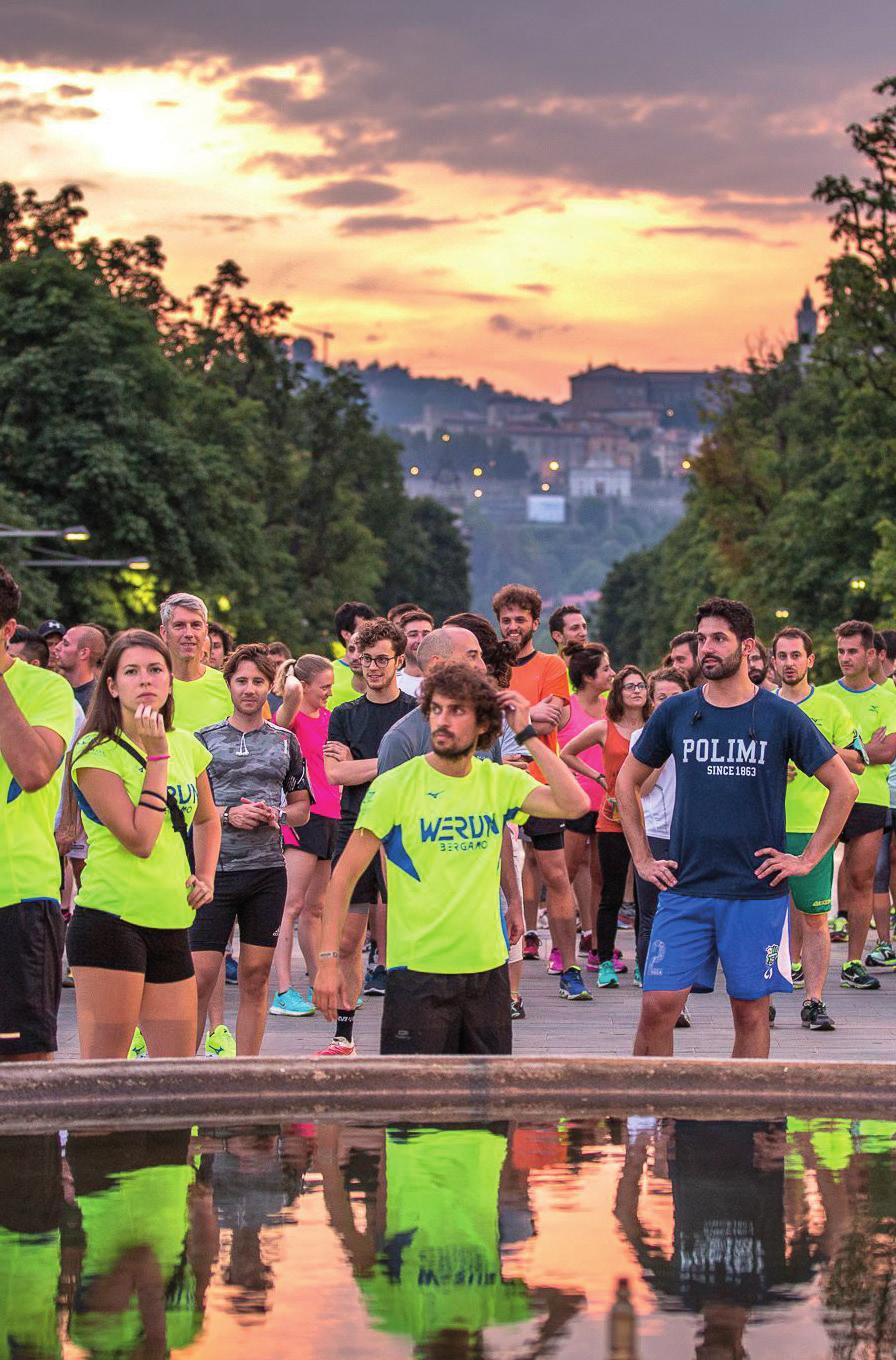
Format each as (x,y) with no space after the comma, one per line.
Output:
(29,860)
(141,1210)
(440,1267)
(442,837)
(29,1281)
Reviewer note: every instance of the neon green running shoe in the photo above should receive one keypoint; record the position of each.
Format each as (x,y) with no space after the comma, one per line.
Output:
(220,1043)
(138,1047)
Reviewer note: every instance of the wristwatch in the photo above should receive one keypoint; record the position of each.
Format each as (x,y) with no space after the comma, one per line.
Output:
(283,821)
(526,734)
(225,817)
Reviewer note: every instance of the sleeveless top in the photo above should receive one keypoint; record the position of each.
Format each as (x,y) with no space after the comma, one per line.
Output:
(593,756)
(615,750)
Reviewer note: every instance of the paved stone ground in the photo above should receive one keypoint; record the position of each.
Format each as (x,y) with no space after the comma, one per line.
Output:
(606,1026)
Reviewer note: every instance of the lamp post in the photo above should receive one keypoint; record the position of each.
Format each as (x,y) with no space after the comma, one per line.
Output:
(132,563)
(76,533)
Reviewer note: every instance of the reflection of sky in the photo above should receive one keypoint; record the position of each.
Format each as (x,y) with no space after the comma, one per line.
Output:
(508,194)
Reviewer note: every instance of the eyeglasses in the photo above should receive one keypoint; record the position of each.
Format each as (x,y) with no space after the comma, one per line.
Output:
(634,687)
(376,662)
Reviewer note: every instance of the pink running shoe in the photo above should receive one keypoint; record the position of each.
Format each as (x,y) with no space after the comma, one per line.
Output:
(555,964)
(592,963)
(339,1048)
(619,966)
(531,945)
(585,942)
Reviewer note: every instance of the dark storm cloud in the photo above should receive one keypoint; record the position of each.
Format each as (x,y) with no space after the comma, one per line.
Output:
(351,193)
(382,224)
(697,99)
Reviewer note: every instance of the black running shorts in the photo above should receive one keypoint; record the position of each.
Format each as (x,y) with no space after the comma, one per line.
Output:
(31,939)
(97,939)
(317,837)
(253,897)
(446,1012)
(372,883)
(864,818)
(545,833)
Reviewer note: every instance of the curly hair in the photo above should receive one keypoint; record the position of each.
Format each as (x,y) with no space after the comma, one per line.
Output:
(381,630)
(615,705)
(670,675)
(464,685)
(520,597)
(257,653)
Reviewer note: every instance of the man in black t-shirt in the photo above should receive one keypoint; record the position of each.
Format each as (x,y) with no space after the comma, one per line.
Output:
(350,755)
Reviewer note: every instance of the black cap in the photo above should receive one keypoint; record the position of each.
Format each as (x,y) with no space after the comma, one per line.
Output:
(50,627)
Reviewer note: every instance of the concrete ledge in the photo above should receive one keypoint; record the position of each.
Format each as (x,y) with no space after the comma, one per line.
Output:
(159,1093)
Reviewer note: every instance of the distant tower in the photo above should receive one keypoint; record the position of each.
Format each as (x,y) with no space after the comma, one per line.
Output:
(806,321)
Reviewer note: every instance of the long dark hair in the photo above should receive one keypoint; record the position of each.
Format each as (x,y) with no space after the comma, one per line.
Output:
(104,715)
(104,712)
(615,705)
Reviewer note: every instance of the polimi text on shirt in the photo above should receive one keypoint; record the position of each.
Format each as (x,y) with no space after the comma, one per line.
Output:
(733,757)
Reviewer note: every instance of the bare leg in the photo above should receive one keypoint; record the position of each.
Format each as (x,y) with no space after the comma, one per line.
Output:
(300,868)
(752,1036)
(859,859)
(816,953)
(531,887)
(108,1006)
(796,934)
(575,853)
(209,965)
(310,918)
(255,970)
(215,1007)
(350,946)
(656,1027)
(561,903)
(168,1018)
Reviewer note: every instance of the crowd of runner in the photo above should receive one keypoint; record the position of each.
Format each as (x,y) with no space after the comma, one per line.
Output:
(407,810)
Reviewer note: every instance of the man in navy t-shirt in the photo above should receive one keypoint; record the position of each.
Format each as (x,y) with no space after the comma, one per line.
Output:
(725,885)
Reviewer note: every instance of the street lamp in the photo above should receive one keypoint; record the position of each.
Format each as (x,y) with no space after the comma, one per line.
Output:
(76,533)
(554,465)
(782,613)
(858,583)
(132,563)
(477,472)
(414,470)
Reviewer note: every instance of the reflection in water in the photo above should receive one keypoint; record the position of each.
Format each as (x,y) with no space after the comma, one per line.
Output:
(626,1239)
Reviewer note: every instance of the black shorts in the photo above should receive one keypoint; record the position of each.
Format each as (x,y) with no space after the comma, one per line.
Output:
(447,1012)
(372,883)
(585,826)
(317,837)
(864,817)
(31,939)
(254,897)
(545,833)
(97,939)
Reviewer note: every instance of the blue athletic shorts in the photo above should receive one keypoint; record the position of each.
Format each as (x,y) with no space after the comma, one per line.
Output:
(692,935)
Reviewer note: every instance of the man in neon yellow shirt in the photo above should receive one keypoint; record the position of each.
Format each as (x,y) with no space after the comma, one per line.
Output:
(873,711)
(810,897)
(201,696)
(440,820)
(37,720)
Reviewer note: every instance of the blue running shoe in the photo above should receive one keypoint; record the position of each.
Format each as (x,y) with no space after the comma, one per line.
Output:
(292,1003)
(572,988)
(231,971)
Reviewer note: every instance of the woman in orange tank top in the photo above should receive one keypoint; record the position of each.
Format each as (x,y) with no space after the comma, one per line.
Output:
(628,708)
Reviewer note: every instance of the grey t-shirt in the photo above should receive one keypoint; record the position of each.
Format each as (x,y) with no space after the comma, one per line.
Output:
(262,765)
(411,737)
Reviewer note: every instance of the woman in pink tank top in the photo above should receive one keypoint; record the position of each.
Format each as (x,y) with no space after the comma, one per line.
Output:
(306,689)
(590,675)
(628,708)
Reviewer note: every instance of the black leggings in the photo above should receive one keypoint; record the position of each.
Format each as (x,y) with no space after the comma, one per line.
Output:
(614,855)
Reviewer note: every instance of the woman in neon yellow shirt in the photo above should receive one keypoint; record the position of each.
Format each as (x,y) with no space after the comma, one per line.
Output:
(140,785)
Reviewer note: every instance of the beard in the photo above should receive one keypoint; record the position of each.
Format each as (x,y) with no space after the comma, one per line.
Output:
(757,674)
(525,639)
(452,753)
(722,667)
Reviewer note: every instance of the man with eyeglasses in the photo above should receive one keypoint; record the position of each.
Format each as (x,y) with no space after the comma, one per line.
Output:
(350,759)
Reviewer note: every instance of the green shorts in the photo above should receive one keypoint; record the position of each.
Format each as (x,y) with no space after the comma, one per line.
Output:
(812,893)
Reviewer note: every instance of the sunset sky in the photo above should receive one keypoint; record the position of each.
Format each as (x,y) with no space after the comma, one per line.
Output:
(507,190)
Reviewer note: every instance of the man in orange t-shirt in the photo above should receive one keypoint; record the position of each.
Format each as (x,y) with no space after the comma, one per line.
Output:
(543,680)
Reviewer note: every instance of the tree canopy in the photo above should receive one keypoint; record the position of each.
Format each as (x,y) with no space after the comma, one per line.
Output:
(180,430)
(793,497)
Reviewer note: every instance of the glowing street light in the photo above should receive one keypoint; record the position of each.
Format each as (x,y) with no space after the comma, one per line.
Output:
(478,492)
(545,486)
(414,470)
(446,438)
(782,613)
(132,563)
(477,472)
(686,464)
(858,583)
(76,533)
(554,465)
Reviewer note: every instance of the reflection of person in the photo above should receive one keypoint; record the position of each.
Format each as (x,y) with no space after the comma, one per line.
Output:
(137,1289)
(428,1258)
(729,1251)
(31,1208)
